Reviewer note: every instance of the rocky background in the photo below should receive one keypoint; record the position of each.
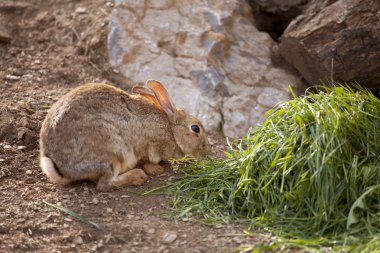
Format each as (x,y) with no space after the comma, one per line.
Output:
(228,62)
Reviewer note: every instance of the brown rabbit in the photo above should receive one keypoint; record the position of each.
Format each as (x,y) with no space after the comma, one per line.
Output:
(99,132)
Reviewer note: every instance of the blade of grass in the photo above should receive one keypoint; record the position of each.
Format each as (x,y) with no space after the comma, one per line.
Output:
(81,218)
(77,216)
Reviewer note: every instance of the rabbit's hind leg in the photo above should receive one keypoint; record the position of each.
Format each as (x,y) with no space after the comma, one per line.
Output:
(107,177)
(105,181)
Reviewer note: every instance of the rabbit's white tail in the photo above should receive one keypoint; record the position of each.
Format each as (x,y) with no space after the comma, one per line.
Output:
(51,172)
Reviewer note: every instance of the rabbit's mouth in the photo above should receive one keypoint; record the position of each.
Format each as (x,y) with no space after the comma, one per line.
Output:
(204,151)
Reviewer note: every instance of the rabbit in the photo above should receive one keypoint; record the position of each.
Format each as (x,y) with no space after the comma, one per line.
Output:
(100,133)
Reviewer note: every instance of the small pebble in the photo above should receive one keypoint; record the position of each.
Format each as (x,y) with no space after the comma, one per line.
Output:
(109,210)
(95,201)
(237,239)
(151,231)
(21,133)
(162,249)
(24,121)
(21,147)
(218,225)
(2,160)
(169,237)
(28,172)
(7,146)
(80,10)
(12,77)
(78,240)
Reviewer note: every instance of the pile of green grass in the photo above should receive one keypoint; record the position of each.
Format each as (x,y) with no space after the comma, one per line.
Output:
(312,170)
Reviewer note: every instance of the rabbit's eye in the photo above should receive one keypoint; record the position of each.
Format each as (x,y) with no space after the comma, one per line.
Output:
(195,129)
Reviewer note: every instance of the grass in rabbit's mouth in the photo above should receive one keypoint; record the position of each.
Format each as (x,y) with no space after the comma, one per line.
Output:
(310,174)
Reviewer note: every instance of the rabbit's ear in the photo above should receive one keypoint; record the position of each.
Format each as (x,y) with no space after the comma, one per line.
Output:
(142,90)
(162,96)
(147,93)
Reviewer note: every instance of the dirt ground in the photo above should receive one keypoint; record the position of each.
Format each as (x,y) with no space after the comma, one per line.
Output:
(49,47)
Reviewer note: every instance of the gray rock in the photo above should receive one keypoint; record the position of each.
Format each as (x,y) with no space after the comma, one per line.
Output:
(212,59)
(270,96)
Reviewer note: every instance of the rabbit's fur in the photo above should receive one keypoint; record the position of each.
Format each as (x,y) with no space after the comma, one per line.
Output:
(99,132)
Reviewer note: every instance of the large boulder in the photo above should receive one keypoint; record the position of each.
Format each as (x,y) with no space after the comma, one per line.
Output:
(214,62)
(336,40)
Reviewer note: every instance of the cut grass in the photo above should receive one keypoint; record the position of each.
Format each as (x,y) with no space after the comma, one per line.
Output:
(311,171)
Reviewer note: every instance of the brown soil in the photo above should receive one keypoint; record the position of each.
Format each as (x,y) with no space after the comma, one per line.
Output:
(56,45)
